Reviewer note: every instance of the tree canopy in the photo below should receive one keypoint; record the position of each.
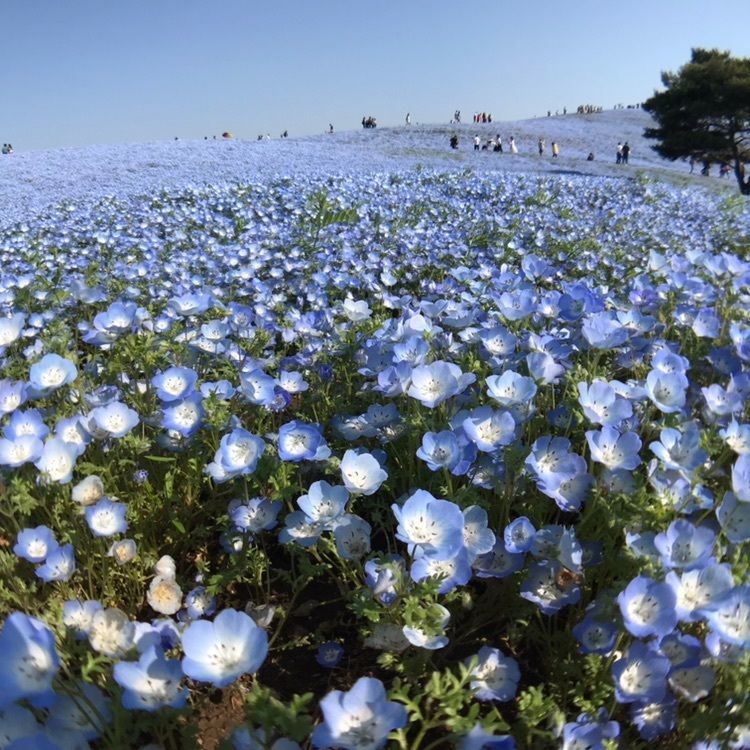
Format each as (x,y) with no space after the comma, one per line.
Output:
(704,112)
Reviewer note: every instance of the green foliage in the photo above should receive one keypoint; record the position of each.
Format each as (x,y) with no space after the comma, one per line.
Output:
(704,113)
(442,705)
(278,719)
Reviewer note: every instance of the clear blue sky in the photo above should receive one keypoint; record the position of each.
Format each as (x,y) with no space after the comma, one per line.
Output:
(107,71)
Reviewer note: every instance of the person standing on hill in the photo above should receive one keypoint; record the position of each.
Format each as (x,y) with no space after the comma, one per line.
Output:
(408,118)
(541,146)
(513,147)
(619,153)
(555,149)
(477,141)
(625,152)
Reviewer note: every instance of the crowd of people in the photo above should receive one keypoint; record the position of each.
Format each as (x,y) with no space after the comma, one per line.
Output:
(369,122)
(496,144)
(7,148)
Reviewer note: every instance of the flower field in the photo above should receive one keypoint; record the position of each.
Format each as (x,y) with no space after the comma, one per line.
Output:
(415,460)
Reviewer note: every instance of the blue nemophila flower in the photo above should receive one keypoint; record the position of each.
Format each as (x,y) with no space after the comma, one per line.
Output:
(741,478)
(679,450)
(499,562)
(734,518)
(193,303)
(730,616)
(78,615)
(28,422)
(641,675)
(59,565)
(362,473)
(479,739)
(28,661)
(692,683)
(329,654)
(199,603)
(654,718)
(450,571)
(551,460)
(150,683)
(221,651)
(697,590)
(384,576)
(292,382)
(20,450)
(435,526)
(394,380)
(440,450)
(35,544)
(722,402)
(57,461)
(413,350)
(50,373)
(16,723)
(488,429)
(495,676)
(497,341)
(175,383)
(519,535)
(302,442)
(358,719)
(603,330)
(352,537)
(513,391)
(547,586)
(73,430)
(544,368)
(595,636)
(185,416)
(558,543)
(238,455)
(356,310)
(684,545)
(13,393)
(478,538)
(667,391)
(106,518)
(614,449)
(258,387)
(736,436)
(299,528)
(11,327)
(602,405)
(669,362)
(589,732)
(383,420)
(112,420)
(254,515)
(648,607)
(85,714)
(434,383)
(222,390)
(681,650)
